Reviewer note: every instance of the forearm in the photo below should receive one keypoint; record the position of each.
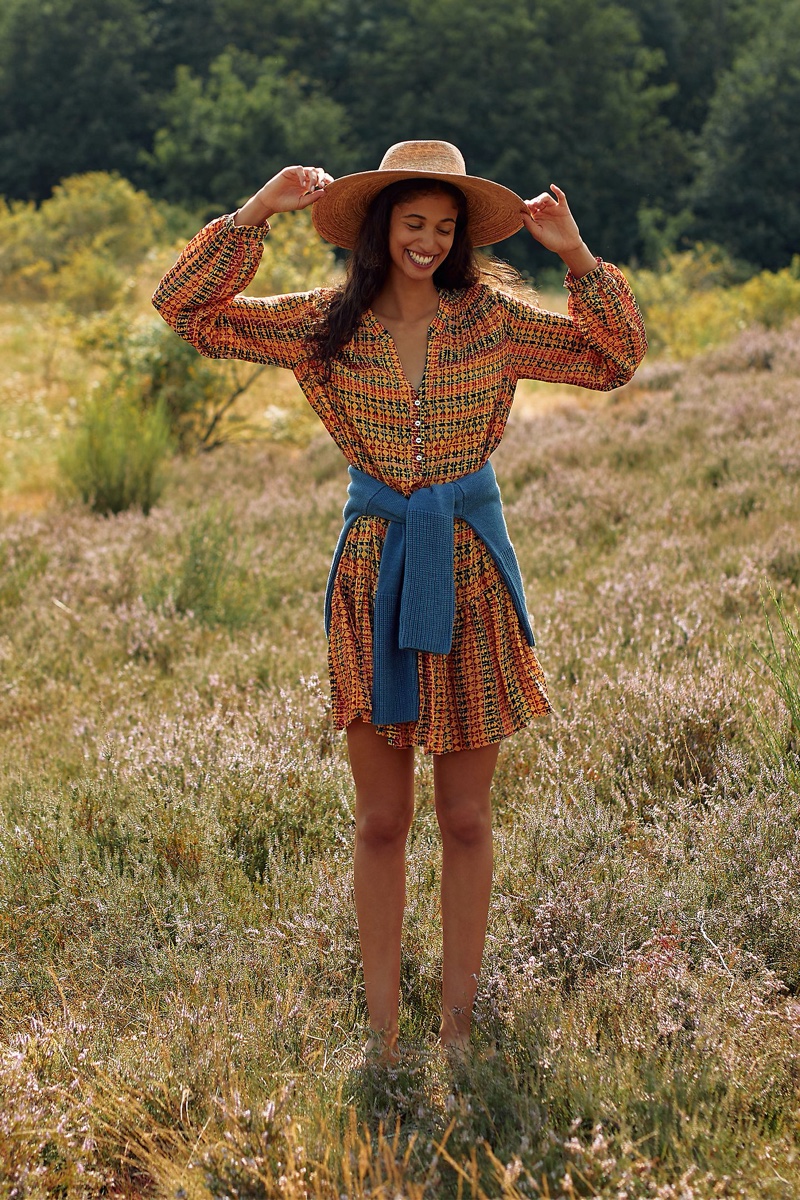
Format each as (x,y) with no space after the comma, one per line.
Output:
(255,212)
(580,260)
(291,189)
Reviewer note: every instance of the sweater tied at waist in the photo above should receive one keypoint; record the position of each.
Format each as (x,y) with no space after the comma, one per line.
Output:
(415,601)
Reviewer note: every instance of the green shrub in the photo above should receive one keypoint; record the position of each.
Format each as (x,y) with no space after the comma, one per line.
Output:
(80,245)
(115,457)
(213,580)
(159,368)
(199,396)
(294,259)
(699,299)
(781,662)
(88,282)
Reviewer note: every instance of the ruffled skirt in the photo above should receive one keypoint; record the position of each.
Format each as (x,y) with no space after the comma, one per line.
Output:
(488,686)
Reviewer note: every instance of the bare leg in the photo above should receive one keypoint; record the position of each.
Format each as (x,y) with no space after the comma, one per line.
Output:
(384,779)
(462,786)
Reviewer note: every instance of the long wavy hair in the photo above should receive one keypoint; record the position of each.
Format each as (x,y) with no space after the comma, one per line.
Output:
(369,264)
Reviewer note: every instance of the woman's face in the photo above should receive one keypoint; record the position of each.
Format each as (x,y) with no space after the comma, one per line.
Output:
(421,232)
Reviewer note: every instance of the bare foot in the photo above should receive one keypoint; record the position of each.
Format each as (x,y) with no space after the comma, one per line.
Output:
(456,1046)
(382,1050)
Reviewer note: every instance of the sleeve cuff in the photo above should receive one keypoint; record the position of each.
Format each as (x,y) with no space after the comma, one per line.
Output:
(248,232)
(585,282)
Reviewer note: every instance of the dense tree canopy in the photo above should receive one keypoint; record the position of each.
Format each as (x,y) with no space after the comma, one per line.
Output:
(225,135)
(643,110)
(747,193)
(73,91)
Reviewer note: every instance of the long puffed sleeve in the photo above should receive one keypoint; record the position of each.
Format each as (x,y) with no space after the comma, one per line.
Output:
(199,297)
(599,345)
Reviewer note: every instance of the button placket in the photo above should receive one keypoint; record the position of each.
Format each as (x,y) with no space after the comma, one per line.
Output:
(416,430)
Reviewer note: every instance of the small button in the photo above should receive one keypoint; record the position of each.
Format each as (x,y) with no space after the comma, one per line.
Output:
(418,422)
(418,440)
(419,458)
(417,402)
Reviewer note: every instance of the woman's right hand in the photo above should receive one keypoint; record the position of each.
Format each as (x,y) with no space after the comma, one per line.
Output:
(292,188)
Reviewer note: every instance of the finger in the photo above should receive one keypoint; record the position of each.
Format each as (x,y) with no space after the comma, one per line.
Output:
(311,196)
(533,227)
(544,200)
(562,199)
(317,179)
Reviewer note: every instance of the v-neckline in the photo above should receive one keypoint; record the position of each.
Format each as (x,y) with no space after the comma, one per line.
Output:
(436,323)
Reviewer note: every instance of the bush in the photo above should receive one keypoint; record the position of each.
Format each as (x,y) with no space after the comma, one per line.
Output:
(213,582)
(116,455)
(295,258)
(147,360)
(198,395)
(699,299)
(79,246)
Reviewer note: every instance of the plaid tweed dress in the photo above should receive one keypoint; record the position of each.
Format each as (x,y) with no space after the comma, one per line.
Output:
(479,344)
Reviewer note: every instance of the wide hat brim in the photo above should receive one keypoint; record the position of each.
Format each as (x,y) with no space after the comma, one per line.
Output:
(494,212)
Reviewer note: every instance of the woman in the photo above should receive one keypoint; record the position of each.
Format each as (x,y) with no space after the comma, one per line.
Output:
(411,366)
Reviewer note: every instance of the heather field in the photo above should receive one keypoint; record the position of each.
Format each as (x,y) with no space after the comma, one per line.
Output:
(182,1010)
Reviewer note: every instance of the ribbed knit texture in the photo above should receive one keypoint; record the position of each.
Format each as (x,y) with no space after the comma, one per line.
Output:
(415,597)
(479,344)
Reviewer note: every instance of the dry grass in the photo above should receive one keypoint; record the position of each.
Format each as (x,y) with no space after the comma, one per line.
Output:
(182,1006)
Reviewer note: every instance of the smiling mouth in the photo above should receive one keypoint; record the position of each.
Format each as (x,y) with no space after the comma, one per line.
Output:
(420,260)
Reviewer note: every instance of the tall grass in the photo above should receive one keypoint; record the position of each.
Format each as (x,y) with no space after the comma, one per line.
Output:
(182,1007)
(211,580)
(780,661)
(116,456)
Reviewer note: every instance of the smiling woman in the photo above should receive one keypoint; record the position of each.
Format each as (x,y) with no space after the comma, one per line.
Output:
(411,365)
(421,232)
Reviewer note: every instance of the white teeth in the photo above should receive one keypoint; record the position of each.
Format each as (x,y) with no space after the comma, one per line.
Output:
(422,260)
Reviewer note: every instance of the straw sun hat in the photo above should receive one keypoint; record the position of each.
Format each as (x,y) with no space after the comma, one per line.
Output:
(494,212)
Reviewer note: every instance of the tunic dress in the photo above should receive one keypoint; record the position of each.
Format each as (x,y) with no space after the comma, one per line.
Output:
(480,343)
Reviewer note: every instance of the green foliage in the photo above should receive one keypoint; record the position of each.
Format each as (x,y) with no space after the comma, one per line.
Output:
(158,369)
(72,98)
(523,101)
(200,102)
(199,396)
(295,259)
(225,135)
(781,660)
(698,41)
(212,581)
(115,457)
(748,188)
(698,300)
(79,246)
(176,825)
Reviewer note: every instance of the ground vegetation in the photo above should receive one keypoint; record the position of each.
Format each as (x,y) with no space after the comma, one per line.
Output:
(182,1010)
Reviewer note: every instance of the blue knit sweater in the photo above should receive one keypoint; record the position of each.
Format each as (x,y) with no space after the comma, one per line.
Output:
(415,602)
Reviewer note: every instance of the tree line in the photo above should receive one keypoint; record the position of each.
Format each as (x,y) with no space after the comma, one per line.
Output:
(668,121)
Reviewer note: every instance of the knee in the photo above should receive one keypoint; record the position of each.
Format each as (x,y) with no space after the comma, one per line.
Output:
(383,830)
(465,821)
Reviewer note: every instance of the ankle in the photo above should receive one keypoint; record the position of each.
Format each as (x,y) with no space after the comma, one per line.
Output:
(454,1030)
(382,1047)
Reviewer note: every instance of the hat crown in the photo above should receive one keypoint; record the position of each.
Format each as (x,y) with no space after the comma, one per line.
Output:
(442,157)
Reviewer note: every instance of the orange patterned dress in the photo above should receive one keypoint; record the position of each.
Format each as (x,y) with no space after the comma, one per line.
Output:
(479,344)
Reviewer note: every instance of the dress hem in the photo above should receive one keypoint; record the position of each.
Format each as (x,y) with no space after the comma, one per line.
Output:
(404,737)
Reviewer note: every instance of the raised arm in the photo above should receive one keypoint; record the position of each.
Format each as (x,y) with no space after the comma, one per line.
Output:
(602,341)
(199,296)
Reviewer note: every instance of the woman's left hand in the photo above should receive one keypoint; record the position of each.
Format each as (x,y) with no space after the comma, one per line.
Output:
(548,219)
